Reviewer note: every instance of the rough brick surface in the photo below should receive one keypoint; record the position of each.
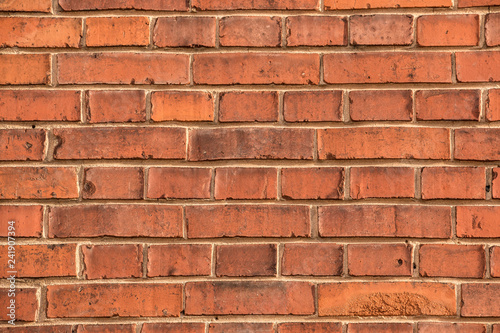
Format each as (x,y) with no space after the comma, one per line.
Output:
(379,260)
(381,30)
(444,260)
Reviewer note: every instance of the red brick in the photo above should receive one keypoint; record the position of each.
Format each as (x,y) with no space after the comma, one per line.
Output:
(120,143)
(107,300)
(122,68)
(250,143)
(124,328)
(179,183)
(319,327)
(26,6)
(386,299)
(256,68)
(111,106)
(40,32)
(492,105)
(232,298)
(257,31)
(362,4)
(380,328)
(379,259)
(367,105)
(184,32)
(182,106)
(26,304)
(40,260)
(248,106)
(447,104)
(22,144)
(112,261)
(450,328)
(40,329)
(312,183)
(24,69)
(246,183)
(38,183)
(479,144)
(478,221)
(479,300)
(496,328)
(115,220)
(478,66)
(448,30)
(246,260)
(453,183)
(316,259)
(28,220)
(247,221)
(385,221)
(382,182)
(495,261)
(316,30)
(447,260)
(173,328)
(477,3)
(117,31)
(179,260)
(39,105)
(381,29)
(240,327)
(492,29)
(168,5)
(257,4)
(384,142)
(383,67)
(307,106)
(113,183)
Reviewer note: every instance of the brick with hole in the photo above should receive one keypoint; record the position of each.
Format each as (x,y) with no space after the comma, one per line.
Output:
(493,105)
(312,259)
(388,105)
(382,182)
(112,106)
(119,300)
(248,106)
(173,328)
(214,221)
(169,5)
(318,327)
(112,261)
(448,30)
(115,220)
(28,220)
(32,261)
(179,260)
(113,183)
(26,301)
(254,31)
(381,29)
(429,327)
(43,6)
(179,183)
(117,31)
(41,32)
(379,328)
(453,183)
(478,221)
(312,183)
(246,183)
(367,4)
(385,221)
(387,299)
(379,259)
(478,300)
(447,260)
(22,144)
(492,29)
(477,144)
(240,327)
(183,31)
(447,104)
(316,30)
(478,66)
(182,106)
(23,69)
(38,183)
(113,328)
(495,261)
(246,260)
(312,106)
(249,298)
(257,4)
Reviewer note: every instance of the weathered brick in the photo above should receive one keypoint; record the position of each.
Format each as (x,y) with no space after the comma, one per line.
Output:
(479,144)
(477,3)
(478,300)
(179,183)
(113,183)
(115,220)
(28,220)
(365,105)
(386,299)
(182,106)
(40,329)
(184,31)
(381,29)
(111,106)
(450,328)
(256,31)
(478,221)
(379,259)
(448,30)
(453,183)
(315,259)
(257,4)
(179,260)
(26,304)
(247,221)
(316,30)
(246,183)
(248,106)
(24,69)
(305,106)
(117,328)
(26,6)
(495,183)
(379,328)
(246,260)
(385,221)
(492,105)
(478,66)
(495,261)
(232,298)
(112,261)
(173,328)
(240,327)
(312,183)
(22,144)
(357,4)
(382,182)
(170,5)
(117,31)
(319,327)
(447,104)
(492,29)
(449,260)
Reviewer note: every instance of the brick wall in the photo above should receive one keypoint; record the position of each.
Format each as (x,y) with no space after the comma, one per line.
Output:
(251,166)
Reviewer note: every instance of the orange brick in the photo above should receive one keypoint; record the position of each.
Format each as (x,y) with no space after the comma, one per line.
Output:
(169,5)
(312,183)
(26,304)
(379,328)
(382,182)
(492,29)
(492,105)
(446,260)
(316,30)
(357,4)
(453,183)
(117,31)
(447,104)
(113,183)
(246,260)
(26,6)
(478,66)
(365,105)
(477,3)
(184,31)
(179,183)
(305,106)
(478,300)
(450,328)
(478,221)
(379,259)
(479,144)
(246,183)
(182,106)
(495,261)
(240,327)
(448,30)
(24,69)
(319,327)
(315,259)
(112,261)
(28,220)
(110,106)
(173,328)
(248,106)
(256,4)
(496,183)
(179,260)
(256,31)
(22,144)
(381,29)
